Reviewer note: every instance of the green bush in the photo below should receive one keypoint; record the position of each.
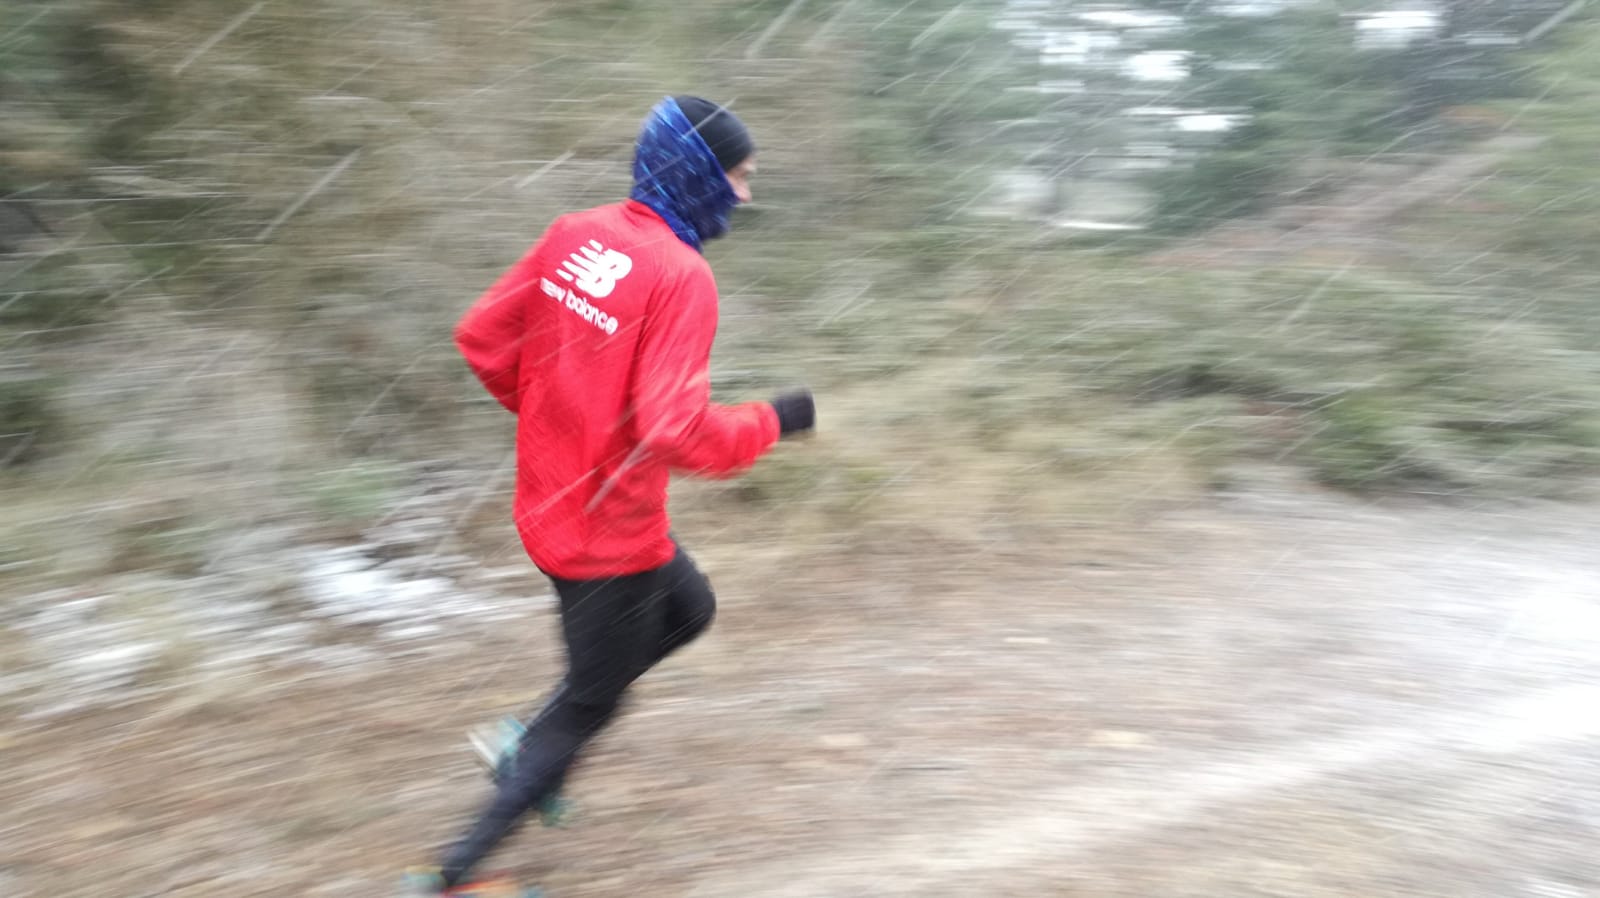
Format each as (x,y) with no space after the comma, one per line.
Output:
(29,419)
(1379,384)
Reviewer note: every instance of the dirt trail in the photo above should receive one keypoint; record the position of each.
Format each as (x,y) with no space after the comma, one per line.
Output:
(1277,693)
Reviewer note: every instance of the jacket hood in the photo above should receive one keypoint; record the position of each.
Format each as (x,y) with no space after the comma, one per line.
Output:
(676,174)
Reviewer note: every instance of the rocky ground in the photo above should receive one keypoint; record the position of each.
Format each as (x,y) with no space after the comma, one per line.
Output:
(266,599)
(1277,693)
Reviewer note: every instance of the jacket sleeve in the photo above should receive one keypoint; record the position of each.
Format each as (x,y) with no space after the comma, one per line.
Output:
(490,334)
(673,416)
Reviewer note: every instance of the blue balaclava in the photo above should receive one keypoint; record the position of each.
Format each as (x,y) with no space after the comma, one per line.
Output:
(677,173)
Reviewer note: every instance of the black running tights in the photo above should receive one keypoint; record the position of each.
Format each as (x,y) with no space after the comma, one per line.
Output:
(615,630)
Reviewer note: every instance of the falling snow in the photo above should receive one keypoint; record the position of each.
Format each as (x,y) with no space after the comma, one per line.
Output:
(1202,501)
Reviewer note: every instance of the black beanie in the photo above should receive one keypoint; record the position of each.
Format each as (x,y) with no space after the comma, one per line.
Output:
(720,129)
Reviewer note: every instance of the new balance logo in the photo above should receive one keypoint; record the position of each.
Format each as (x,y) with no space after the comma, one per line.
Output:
(595,270)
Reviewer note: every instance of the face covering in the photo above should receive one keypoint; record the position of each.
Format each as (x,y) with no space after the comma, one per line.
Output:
(676,174)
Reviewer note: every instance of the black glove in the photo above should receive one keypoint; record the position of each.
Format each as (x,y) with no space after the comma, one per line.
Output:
(796,412)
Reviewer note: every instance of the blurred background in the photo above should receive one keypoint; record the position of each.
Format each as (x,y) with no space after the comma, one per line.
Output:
(1209,407)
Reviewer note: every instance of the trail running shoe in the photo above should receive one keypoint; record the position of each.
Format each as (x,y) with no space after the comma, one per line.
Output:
(496,747)
(425,882)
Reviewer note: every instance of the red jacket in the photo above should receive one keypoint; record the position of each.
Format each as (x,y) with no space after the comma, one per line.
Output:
(599,340)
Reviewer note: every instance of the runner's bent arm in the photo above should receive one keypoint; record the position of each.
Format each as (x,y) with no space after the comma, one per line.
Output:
(490,335)
(673,416)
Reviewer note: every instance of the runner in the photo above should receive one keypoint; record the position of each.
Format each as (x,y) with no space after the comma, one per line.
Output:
(599,340)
